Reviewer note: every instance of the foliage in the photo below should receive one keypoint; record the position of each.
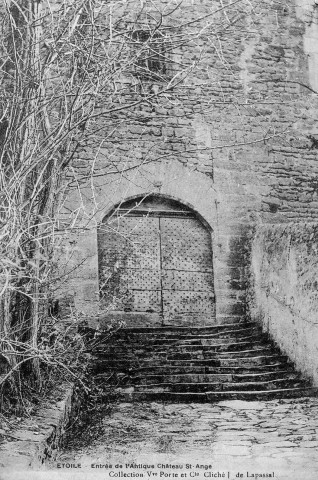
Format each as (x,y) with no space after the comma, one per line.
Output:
(64,67)
(71,72)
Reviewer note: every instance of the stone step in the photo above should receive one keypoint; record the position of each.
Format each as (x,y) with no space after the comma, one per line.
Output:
(215,396)
(128,349)
(252,360)
(226,360)
(219,386)
(179,347)
(191,353)
(249,363)
(215,377)
(217,341)
(201,364)
(215,356)
(215,349)
(188,330)
(159,337)
(186,340)
(167,357)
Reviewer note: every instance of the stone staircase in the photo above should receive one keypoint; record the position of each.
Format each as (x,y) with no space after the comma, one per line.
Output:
(193,364)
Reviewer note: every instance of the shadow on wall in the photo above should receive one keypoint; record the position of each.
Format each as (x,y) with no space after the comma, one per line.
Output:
(238,262)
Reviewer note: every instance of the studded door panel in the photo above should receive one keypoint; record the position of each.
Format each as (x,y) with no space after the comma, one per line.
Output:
(187,280)
(157,264)
(186,265)
(129,264)
(176,302)
(186,245)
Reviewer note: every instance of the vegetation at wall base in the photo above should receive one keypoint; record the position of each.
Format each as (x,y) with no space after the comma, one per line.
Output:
(67,69)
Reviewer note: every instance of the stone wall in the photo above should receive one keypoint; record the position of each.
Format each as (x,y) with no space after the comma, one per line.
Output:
(33,442)
(236,141)
(284,290)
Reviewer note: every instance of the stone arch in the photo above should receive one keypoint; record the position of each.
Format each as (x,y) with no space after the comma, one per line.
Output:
(162,196)
(170,179)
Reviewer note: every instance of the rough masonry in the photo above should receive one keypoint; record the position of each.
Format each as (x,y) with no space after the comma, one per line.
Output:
(236,142)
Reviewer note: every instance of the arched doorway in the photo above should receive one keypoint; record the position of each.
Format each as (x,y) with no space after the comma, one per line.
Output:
(155,258)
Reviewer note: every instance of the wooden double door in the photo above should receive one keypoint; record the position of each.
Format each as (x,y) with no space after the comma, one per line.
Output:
(156,261)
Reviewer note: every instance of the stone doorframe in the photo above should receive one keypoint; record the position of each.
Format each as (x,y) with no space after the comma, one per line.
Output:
(171,180)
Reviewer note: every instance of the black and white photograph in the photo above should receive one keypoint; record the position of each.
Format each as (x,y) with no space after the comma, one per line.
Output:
(158,239)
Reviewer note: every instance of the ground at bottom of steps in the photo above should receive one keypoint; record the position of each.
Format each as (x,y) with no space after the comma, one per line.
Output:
(278,436)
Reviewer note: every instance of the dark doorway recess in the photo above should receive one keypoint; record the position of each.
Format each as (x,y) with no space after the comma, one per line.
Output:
(155,257)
